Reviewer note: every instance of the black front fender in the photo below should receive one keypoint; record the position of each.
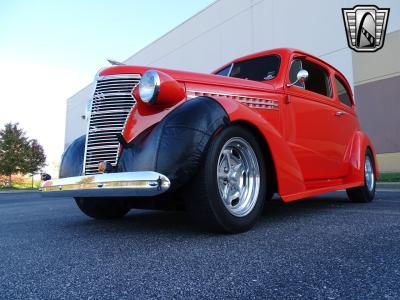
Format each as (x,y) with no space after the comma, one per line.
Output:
(72,159)
(175,146)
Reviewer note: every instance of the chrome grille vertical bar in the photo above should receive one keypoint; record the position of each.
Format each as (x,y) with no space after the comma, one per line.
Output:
(111,103)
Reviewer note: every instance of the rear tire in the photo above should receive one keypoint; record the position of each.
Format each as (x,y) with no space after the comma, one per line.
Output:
(365,193)
(228,193)
(103,208)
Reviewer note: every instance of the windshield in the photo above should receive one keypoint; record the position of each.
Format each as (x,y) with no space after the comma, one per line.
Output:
(258,69)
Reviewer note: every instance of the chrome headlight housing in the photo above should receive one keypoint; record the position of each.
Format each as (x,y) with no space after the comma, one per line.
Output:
(149,86)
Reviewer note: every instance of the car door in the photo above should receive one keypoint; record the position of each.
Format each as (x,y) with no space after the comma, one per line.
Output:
(346,122)
(310,122)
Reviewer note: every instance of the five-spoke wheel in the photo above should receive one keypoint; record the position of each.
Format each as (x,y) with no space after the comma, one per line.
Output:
(229,191)
(238,176)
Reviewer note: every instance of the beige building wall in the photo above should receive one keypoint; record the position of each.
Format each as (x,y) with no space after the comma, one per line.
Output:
(389,162)
(377,93)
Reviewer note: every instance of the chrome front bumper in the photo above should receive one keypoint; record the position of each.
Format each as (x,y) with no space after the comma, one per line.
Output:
(126,184)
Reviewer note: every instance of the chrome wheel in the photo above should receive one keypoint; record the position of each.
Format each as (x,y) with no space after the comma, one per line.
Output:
(238,176)
(369,174)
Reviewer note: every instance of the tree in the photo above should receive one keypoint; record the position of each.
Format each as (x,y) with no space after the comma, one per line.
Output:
(35,159)
(14,148)
(18,154)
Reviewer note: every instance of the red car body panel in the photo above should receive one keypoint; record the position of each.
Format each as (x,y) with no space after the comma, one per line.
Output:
(313,149)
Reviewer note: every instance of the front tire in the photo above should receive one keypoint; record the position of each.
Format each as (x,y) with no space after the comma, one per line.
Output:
(365,193)
(103,208)
(228,193)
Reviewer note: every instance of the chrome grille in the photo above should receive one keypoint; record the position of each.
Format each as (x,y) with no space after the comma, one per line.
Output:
(112,102)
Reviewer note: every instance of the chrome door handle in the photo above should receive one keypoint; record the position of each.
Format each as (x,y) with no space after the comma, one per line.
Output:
(339,113)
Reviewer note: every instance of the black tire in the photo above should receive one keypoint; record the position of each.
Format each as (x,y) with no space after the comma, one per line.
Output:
(202,195)
(364,193)
(103,208)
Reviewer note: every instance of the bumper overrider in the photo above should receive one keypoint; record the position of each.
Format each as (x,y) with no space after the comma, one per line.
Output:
(132,184)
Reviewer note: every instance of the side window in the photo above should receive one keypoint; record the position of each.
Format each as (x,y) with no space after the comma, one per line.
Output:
(318,79)
(258,69)
(296,66)
(225,71)
(343,93)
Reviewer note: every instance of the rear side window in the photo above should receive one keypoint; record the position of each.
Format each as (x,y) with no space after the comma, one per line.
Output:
(343,93)
(318,78)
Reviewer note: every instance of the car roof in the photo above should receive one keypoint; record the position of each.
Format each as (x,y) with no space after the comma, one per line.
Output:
(282,51)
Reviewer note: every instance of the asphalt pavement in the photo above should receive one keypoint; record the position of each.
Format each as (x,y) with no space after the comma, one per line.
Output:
(323,248)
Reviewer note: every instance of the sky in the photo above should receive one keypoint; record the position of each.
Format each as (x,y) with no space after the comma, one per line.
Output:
(49,50)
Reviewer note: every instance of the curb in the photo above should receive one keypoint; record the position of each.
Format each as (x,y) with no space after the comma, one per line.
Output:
(18,191)
(388,185)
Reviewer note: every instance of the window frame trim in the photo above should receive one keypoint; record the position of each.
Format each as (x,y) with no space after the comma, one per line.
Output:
(230,70)
(223,68)
(290,67)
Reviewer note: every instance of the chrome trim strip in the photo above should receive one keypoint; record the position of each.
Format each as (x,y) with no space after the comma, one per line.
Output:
(118,76)
(267,102)
(146,183)
(230,70)
(110,111)
(253,102)
(102,96)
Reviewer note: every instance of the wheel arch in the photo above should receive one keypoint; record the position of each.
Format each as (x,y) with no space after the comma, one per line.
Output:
(356,157)
(289,177)
(175,146)
(269,161)
(374,159)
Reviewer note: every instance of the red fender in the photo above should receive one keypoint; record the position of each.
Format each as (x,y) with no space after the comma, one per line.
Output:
(356,157)
(289,176)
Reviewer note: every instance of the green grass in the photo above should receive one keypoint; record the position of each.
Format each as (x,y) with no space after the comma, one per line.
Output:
(389,177)
(16,188)
(27,185)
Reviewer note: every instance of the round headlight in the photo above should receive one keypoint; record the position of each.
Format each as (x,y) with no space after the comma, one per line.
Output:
(149,86)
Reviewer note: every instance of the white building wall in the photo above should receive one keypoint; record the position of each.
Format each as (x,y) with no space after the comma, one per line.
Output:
(76,125)
(228,29)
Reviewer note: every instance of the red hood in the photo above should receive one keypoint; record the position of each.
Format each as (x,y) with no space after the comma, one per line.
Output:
(191,77)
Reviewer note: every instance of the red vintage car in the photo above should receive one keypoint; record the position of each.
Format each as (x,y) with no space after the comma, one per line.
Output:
(219,145)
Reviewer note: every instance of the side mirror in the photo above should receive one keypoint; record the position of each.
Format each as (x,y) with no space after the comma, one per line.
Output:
(302,76)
